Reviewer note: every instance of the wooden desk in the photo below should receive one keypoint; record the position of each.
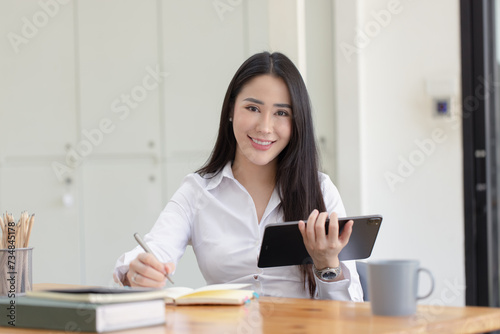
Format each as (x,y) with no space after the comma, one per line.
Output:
(284,315)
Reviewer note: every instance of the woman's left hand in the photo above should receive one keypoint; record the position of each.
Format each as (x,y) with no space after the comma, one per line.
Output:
(324,249)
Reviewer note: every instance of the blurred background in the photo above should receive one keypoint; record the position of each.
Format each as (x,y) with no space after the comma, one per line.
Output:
(106,105)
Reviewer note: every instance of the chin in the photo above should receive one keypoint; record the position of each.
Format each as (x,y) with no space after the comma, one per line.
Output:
(263,162)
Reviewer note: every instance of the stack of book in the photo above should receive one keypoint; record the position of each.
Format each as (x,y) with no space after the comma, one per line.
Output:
(115,309)
(102,309)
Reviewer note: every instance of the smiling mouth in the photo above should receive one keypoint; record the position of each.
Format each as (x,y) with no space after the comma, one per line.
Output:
(265,143)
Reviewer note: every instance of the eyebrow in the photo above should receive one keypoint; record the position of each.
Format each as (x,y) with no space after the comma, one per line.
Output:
(279,105)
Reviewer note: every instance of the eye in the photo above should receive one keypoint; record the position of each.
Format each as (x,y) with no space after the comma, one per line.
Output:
(282,113)
(253,108)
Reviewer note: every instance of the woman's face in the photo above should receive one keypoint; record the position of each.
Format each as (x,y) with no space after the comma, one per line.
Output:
(262,120)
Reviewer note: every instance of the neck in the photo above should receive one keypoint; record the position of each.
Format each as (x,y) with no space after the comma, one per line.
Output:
(253,174)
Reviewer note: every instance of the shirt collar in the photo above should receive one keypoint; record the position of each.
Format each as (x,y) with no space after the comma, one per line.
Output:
(227,171)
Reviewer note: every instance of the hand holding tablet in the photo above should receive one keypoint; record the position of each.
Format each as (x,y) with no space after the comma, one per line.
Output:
(283,244)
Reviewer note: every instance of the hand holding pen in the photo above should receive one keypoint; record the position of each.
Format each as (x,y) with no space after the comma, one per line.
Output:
(146,270)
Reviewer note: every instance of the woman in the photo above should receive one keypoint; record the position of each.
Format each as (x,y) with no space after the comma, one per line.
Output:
(263,169)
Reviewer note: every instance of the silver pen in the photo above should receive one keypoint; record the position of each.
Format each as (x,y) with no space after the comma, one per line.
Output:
(148,250)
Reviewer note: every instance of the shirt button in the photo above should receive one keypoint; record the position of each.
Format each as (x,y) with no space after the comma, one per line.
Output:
(256,277)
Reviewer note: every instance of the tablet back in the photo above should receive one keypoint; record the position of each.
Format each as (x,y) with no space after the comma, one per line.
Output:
(282,244)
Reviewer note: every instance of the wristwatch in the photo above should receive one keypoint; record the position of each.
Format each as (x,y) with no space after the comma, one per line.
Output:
(327,274)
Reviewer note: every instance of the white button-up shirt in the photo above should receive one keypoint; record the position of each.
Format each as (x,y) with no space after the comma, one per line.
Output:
(217,217)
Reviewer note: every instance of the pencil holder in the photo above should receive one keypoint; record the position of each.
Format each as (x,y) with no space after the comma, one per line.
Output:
(16,268)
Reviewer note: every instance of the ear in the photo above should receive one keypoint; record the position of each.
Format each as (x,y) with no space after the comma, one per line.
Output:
(231,112)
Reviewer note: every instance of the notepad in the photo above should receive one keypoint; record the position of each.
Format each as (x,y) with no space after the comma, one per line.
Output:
(216,294)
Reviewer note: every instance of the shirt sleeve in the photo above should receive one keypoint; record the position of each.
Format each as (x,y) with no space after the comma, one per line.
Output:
(170,234)
(350,287)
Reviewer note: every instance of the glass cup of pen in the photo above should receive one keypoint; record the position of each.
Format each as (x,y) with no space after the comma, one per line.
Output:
(16,257)
(16,268)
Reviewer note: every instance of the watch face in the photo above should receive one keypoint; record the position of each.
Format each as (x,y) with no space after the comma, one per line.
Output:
(329,275)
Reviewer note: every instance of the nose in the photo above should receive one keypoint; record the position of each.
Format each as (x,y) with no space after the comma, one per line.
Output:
(265,123)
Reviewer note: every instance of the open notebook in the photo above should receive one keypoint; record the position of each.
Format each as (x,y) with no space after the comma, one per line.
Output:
(217,294)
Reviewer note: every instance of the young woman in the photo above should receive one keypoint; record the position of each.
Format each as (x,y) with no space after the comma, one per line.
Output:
(263,169)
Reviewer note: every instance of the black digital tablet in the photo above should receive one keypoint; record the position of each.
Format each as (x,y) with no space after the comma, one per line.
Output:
(282,244)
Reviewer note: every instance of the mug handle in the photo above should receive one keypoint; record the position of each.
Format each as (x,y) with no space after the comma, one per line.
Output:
(432,282)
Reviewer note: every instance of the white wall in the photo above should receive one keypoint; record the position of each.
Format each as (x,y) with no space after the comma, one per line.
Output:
(389,114)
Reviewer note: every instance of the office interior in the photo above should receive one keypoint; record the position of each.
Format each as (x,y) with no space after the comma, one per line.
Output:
(106,106)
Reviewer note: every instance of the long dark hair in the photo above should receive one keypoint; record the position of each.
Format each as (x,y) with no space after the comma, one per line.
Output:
(297,174)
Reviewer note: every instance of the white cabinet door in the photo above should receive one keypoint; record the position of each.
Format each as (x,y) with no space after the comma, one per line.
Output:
(37,81)
(201,52)
(320,82)
(120,77)
(55,236)
(120,197)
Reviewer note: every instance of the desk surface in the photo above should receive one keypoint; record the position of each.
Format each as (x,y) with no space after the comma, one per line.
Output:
(286,315)
(283,315)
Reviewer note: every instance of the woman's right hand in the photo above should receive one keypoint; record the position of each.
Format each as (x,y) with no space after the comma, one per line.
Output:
(146,271)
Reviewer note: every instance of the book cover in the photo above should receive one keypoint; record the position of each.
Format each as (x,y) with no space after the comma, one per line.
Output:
(100,295)
(28,312)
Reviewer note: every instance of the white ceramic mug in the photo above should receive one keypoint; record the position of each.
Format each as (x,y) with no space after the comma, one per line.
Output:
(393,286)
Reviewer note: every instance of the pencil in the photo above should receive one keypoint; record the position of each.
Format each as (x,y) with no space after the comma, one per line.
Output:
(2,226)
(30,226)
(148,250)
